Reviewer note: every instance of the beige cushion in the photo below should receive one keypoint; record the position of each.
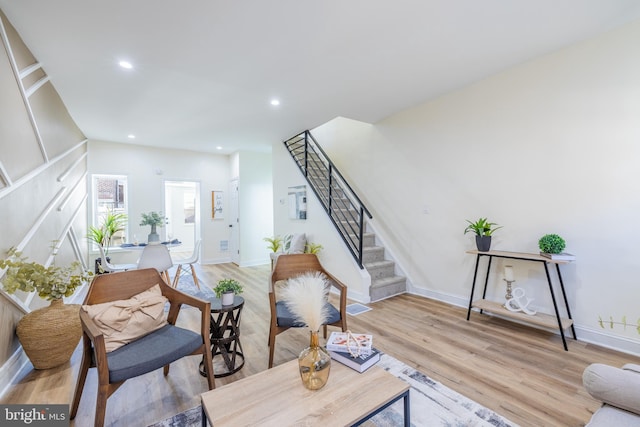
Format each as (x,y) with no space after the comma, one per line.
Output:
(124,321)
(614,386)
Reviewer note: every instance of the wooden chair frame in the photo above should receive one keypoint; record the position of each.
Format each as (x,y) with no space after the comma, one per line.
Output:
(124,285)
(292,265)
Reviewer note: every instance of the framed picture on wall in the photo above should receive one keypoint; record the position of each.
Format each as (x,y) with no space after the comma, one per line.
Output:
(298,202)
(217,204)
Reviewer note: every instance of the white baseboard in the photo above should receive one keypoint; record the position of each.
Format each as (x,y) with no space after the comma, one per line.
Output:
(10,370)
(619,343)
(211,261)
(358,297)
(255,262)
(584,333)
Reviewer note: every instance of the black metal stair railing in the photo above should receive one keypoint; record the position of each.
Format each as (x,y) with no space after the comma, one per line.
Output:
(340,202)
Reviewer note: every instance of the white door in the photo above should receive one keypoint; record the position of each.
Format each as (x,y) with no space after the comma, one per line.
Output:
(234,222)
(182,209)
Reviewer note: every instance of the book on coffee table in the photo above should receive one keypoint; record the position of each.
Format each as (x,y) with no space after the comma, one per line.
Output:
(346,342)
(360,363)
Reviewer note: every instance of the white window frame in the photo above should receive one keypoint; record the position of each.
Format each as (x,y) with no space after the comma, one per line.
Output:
(96,215)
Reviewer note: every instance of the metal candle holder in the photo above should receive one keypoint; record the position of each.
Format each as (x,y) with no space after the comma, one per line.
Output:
(508,295)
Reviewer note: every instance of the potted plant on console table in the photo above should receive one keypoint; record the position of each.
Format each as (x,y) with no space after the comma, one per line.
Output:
(483,230)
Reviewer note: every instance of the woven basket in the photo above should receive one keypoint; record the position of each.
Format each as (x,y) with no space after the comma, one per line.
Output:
(49,335)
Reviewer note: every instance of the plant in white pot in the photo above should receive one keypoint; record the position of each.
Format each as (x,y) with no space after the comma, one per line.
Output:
(227,289)
(154,219)
(50,334)
(483,230)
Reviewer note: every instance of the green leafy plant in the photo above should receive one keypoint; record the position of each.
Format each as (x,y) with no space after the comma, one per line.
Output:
(623,322)
(312,248)
(111,224)
(275,243)
(481,227)
(228,285)
(551,244)
(154,219)
(50,283)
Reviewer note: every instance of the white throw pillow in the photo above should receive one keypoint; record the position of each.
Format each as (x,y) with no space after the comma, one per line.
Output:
(298,242)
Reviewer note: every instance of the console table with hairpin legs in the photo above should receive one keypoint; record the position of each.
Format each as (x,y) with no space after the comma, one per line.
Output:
(539,319)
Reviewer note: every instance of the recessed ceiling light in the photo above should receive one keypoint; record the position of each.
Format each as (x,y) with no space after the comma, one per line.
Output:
(275,102)
(218,148)
(125,64)
(131,136)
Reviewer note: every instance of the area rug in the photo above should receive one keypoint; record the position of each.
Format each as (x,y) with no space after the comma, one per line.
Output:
(188,286)
(432,404)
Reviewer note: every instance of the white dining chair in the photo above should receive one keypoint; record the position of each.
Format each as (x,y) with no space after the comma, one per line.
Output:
(156,256)
(107,267)
(188,262)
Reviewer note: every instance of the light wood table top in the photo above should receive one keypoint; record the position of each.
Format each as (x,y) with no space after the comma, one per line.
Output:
(519,255)
(276,397)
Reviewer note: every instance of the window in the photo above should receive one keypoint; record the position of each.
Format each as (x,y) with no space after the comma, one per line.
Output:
(109,195)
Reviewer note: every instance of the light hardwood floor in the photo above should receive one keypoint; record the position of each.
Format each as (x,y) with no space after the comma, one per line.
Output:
(519,372)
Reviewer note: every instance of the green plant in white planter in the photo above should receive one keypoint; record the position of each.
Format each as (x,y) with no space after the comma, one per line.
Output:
(226,289)
(154,219)
(483,230)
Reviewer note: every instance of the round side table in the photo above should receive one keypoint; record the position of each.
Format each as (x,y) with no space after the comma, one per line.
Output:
(225,337)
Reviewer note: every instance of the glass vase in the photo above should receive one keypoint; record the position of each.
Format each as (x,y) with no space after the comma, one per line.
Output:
(314,363)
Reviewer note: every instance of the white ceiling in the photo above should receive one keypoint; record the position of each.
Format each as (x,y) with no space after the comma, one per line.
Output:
(206,70)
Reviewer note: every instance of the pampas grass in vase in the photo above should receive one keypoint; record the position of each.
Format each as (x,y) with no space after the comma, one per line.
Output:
(306,298)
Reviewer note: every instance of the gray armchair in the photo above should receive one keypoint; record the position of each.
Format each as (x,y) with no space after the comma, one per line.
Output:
(619,390)
(113,308)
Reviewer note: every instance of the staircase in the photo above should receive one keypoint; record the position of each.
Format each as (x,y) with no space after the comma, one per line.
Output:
(384,281)
(347,213)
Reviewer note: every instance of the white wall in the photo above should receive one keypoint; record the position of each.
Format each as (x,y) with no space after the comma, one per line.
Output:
(550,146)
(255,206)
(146,169)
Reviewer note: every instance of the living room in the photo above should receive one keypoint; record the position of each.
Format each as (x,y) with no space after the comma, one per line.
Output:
(545,146)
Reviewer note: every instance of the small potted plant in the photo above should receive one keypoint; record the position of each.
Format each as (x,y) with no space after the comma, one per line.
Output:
(154,219)
(552,246)
(226,289)
(483,230)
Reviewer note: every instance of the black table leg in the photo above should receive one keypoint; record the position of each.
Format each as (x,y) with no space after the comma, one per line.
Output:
(555,307)
(473,285)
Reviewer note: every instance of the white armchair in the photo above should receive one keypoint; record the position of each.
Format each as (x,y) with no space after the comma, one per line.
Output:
(618,389)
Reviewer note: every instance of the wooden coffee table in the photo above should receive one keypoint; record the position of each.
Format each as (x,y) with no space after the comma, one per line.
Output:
(276,397)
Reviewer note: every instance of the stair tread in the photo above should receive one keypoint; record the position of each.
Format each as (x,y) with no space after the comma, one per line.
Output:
(374,264)
(376,283)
